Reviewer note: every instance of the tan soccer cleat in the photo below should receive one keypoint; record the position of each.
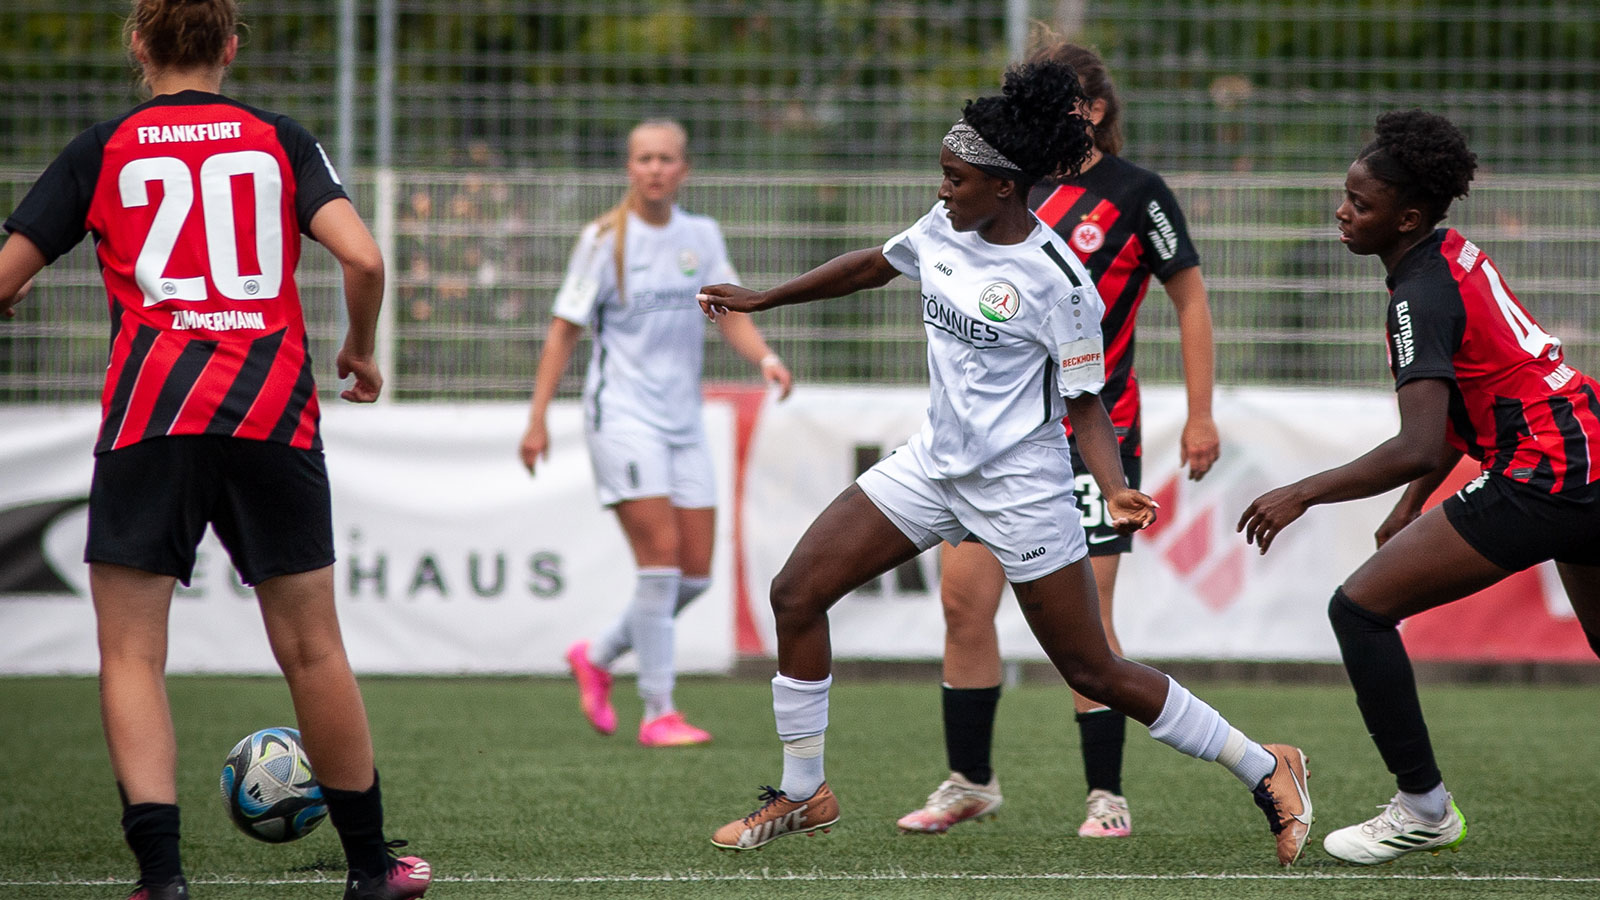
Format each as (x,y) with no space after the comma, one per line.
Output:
(1286,801)
(779,816)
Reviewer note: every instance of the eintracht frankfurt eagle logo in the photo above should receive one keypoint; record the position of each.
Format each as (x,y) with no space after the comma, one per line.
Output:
(1088,237)
(999,301)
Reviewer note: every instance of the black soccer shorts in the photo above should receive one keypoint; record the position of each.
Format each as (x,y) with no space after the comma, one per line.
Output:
(1516,526)
(1103,539)
(149,505)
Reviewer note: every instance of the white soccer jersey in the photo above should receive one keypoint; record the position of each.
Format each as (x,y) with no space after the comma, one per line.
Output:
(648,343)
(1012,328)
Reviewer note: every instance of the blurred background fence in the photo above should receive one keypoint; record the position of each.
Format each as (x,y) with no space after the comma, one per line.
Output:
(479,137)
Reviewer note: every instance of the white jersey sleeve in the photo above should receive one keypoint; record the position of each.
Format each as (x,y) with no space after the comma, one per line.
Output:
(586,271)
(721,270)
(1072,333)
(901,250)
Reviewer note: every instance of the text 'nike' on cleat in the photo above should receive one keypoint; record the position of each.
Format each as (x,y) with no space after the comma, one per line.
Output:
(777,817)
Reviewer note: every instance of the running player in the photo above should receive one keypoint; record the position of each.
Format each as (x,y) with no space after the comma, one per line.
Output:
(197,203)
(1014,342)
(1474,374)
(633,275)
(1124,225)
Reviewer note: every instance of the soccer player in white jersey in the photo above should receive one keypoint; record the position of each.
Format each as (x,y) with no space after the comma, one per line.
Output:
(633,277)
(1013,324)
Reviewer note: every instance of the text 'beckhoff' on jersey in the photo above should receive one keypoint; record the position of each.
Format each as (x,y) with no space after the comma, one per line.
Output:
(1516,406)
(197,203)
(1124,224)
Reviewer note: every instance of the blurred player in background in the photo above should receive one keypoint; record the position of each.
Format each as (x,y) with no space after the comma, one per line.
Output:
(1014,342)
(1124,225)
(1475,374)
(633,276)
(197,203)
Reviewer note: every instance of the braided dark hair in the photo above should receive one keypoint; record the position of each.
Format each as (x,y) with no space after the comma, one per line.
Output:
(1423,158)
(1036,121)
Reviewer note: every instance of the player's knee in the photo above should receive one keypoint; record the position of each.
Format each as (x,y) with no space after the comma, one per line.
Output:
(1348,618)
(1096,682)
(791,597)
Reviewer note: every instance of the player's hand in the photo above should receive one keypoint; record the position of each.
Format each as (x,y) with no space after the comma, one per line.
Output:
(8,308)
(776,373)
(1131,510)
(369,379)
(716,299)
(1402,515)
(535,445)
(1199,446)
(1269,514)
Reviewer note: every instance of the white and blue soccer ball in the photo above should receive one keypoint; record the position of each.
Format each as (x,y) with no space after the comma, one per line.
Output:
(269,789)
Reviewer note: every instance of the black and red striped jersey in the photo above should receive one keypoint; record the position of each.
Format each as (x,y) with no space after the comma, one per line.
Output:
(197,203)
(1515,405)
(1125,225)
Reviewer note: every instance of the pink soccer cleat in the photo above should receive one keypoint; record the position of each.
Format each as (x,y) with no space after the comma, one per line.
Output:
(408,877)
(594,688)
(670,730)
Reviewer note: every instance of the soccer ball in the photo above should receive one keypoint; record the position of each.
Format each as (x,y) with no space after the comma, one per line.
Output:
(268,788)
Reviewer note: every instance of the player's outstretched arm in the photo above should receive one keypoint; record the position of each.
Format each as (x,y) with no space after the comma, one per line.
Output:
(559,342)
(845,274)
(1130,510)
(20,260)
(338,227)
(1412,454)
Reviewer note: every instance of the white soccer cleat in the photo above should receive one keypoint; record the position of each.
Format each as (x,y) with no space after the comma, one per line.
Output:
(1395,832)
(1107,815)
(952,802)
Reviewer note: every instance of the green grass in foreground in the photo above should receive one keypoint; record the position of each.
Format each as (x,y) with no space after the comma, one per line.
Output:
(502,785)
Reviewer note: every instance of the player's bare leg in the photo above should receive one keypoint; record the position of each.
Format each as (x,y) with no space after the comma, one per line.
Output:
(850,543)
(131,610)
(1062,610)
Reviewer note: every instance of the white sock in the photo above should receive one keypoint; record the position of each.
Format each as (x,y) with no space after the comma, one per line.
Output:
(689,590)
(650,623)
(800,709)
(617,640)
(1431,806)
(1190,726)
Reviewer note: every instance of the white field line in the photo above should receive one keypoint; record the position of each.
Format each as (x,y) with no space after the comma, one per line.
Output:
(765,875)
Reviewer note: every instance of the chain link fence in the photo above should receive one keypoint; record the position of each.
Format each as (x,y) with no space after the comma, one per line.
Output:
(814,126)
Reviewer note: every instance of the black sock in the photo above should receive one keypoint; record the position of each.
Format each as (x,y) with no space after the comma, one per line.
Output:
(969,731)
(1102,732)
(358,817)
(151,830)
(1386,692)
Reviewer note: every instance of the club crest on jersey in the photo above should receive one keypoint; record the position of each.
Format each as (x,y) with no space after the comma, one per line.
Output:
(1088,237)
(688,262)
(999,301)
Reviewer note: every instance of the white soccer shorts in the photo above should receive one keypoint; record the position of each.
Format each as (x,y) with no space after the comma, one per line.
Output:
(634,464)
(1019,505)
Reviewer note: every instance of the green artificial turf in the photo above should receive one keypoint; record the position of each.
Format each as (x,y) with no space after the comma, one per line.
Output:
(505,789)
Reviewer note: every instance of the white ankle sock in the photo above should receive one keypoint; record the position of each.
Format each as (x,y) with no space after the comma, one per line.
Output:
(1431,806)
(1190,726)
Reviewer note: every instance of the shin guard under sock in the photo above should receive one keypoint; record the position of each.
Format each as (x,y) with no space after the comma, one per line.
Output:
(358,817)
(1102,732)
(969,730)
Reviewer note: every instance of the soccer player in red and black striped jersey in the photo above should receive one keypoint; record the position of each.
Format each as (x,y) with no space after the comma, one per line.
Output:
(1474,374)
(197,203)
(1125,226)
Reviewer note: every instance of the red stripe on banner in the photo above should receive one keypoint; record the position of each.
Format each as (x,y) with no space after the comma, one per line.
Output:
(1056,205)
(1509,621)
(746,402)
